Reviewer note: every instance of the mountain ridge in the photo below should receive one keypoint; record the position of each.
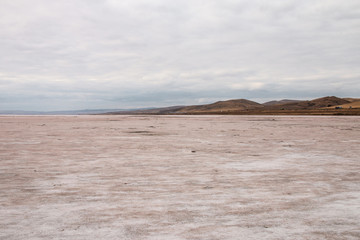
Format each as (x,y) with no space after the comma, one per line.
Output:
(329,105)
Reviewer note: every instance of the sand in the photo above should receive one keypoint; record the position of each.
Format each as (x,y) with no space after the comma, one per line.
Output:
(179,177)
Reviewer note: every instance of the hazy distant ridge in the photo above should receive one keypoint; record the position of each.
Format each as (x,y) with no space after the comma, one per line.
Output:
(233,106)
(244,106)
(69,112)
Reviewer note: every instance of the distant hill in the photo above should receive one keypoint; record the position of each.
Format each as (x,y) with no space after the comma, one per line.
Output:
(352,99)
(284,101)
(222,106)
(319,106)
(309,105)
(164,110)
(312,104)
(217,107)
(330,105)
(354,103)
(327,102)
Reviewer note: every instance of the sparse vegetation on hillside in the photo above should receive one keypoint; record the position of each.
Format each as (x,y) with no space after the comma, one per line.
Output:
(330,105)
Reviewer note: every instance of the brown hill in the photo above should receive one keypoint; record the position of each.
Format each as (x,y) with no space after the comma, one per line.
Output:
(309,105)
(352,99)
(278,102)
(319,106)
(221,106)
(353,104)
(164,110)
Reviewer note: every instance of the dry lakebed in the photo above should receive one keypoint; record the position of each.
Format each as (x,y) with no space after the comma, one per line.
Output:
(179,177)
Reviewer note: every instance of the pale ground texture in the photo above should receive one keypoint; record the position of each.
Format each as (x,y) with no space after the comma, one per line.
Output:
(179,177)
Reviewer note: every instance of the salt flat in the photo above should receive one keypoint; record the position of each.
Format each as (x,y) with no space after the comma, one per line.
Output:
(179,177)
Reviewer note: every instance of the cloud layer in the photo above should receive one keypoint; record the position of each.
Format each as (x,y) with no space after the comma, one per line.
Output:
(116,54)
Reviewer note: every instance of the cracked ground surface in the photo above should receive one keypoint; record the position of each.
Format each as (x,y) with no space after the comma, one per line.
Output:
(179,177)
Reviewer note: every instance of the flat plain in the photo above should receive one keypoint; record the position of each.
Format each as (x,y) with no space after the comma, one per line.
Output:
(179,177)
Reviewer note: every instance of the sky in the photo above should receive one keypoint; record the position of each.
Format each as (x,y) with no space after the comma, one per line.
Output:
(92,54)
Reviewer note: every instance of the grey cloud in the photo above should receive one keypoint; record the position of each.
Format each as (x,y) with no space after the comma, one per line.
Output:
(124,52)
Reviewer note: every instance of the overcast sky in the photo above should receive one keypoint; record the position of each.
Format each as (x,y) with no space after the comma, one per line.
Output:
(77,54)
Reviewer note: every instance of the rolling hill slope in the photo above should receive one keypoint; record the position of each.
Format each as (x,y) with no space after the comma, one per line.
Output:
(320,106)
(310,105)
(222,106)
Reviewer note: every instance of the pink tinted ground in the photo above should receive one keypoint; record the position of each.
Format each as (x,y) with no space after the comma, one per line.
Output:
(179,177)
